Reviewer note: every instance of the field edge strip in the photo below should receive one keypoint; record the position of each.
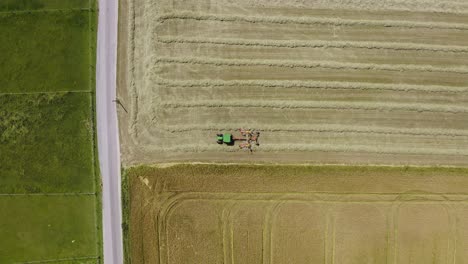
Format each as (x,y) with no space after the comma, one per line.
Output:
(47,92)
(311,85)
(49,194)
(321,128)
(339,105)
(194,148)
(309,20)
(13,12)
(59,260)
(309,64)
(398,46)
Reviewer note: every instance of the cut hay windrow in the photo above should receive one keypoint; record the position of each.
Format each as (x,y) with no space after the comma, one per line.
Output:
(338,105)
(267,147)
(310,64)
(437,6)
(316,44)
(130,60)
(329,128)
(311,85)
(310,21)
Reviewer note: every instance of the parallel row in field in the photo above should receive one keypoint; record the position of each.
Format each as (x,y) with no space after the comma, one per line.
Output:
(48,185)
(305,7)
(283,214)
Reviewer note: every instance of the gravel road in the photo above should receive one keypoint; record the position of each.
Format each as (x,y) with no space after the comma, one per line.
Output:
(107,129)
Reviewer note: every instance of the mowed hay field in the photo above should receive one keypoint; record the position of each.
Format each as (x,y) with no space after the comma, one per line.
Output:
(49,180)
(186,214)
(324,81)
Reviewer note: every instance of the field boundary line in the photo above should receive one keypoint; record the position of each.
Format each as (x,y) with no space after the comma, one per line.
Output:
(322,128)
(313,85)
(310,64)
(377,149)
(52,10)
(58,260)
(321,196)
(399,46)
(49,194)
(45,92)
(309,20)
(170,164)
(339,105)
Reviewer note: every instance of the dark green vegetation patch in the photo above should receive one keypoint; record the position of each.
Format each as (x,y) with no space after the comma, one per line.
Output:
(23,5)
(49,194)
(47,227)
(45,51)
(46,143)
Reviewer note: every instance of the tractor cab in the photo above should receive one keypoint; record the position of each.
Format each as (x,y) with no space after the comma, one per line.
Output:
(224,138)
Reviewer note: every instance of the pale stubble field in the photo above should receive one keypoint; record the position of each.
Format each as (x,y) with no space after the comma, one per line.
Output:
(323,85)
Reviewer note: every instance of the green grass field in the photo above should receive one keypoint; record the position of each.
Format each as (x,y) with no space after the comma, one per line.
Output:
(45,51)
(49,189)
(46,143)
(47,227)
(22,5)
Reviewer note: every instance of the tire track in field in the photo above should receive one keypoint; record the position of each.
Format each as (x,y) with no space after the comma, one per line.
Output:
(337,105)
(437,6)
(311,84)
(310,64)
(318,147)
(309,21)
(331,128)
(371,45)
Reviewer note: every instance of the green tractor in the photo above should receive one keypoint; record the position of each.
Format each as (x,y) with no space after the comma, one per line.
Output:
(225,138)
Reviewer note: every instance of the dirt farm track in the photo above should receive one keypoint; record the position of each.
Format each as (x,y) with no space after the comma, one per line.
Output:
(382,82)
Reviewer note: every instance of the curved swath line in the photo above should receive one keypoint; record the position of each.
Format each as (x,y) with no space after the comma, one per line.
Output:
(310,21)
(399,46)
(378,149)
(338,105)
(311,85)
(310,64)
(322,128)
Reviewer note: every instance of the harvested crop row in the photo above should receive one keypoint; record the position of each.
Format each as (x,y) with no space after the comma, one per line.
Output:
(302,32)
(319,105)
(316,44)
(311,21)
(320,128)
(344,137)
(204,93)
(415,6)
(313,84)
(320,147)
(310,64)
(186,71)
